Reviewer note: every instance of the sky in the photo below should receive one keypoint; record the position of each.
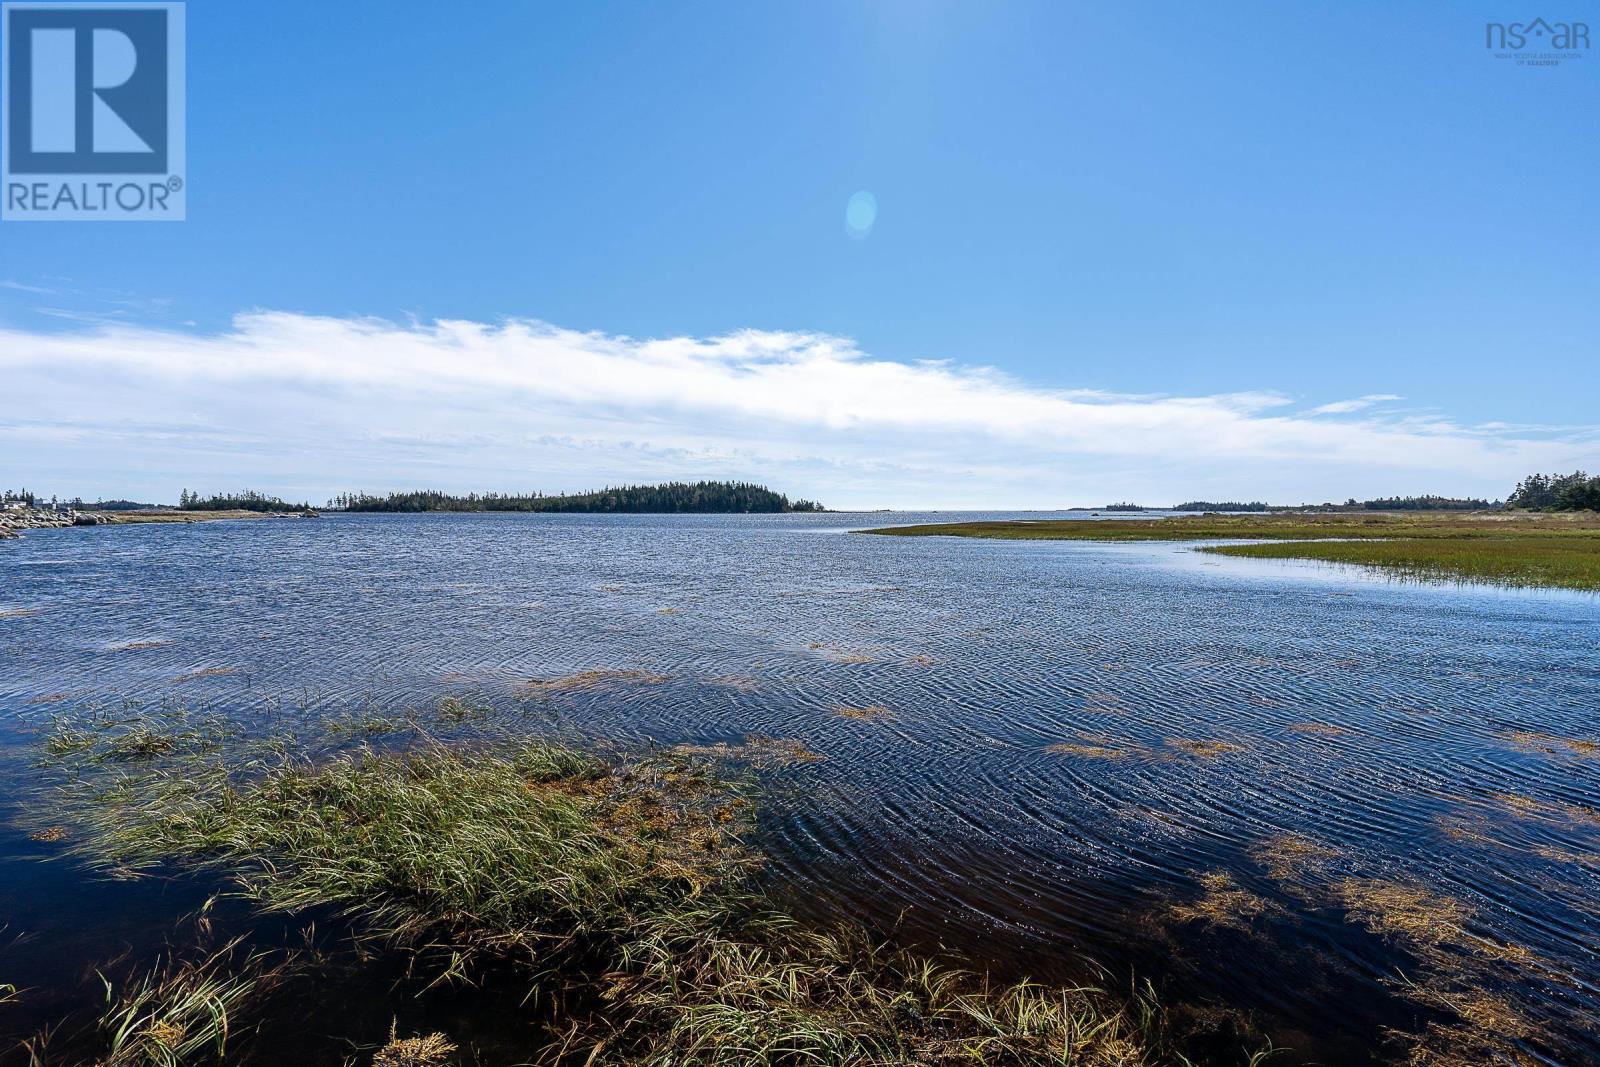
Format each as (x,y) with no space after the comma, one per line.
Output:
(901,254)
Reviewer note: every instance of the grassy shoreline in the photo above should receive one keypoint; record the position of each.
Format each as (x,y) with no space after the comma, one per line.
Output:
(612,890)
(1525,549)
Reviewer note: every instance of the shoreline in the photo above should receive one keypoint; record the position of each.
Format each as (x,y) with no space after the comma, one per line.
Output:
(13,523)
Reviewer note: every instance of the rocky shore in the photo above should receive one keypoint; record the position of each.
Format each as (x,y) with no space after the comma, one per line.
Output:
(14,520)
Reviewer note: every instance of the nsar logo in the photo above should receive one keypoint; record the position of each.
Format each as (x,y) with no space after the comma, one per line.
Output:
(92,125)
(1550,42)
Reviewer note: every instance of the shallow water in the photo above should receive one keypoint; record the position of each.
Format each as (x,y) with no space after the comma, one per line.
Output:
(1415,735)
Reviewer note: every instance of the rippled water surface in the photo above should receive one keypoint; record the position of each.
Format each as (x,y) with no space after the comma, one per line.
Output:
(1236,776)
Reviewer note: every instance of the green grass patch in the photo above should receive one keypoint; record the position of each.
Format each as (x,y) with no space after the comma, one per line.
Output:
(1522,549)
(1515,561)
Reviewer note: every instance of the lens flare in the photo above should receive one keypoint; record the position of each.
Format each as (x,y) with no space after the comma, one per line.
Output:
(860,214)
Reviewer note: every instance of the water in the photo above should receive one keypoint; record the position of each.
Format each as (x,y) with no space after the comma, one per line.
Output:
(1392,725)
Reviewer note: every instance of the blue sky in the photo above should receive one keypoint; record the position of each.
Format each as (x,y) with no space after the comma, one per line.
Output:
(1198,234)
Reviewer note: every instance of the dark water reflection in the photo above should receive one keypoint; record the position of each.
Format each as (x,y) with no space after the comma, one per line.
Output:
(1090,749)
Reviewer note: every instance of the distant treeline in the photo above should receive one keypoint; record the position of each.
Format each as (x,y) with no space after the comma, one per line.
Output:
(1425,503)
(1557,492)
(32,499)
(703,497)
(1385,503)
(243,500)
(1222,505)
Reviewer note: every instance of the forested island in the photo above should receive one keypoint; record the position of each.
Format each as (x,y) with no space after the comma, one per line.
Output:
(671,498)
(244,500)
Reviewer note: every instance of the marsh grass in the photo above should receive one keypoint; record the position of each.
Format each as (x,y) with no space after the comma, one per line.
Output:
(464,709)
(178,1013)
(1205,749)
(1324,728)
(757,751)
(133,734)
(1086,751)
(429,1050)
(1507,548)
(862,712)
(1459,970)
(1531,561)
(204,672)
(617,888)
(1223,902)
(589,680)
(1552,744)
(1098,746)
(527,850)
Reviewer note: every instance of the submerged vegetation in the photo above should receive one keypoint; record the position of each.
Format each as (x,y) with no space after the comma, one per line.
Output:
(673,497)
(1524,550)
(615,890)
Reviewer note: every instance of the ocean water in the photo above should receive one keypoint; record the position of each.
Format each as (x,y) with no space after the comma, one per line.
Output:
(1235,777)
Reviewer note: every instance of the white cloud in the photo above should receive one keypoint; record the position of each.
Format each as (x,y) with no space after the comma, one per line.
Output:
(22,288)
(315,404)
(1360,403)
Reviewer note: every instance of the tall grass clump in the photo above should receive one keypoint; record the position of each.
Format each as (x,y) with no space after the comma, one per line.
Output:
(615,890)
(530,849)
(176,1013)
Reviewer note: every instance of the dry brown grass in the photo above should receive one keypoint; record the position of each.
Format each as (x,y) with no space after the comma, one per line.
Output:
(1551,743)
(1403,910)
(1201,748)
(431,1050)
(1530,808)
(1327,729)
(864,712)
(205,672)
(594,679)
(1467,828)
(1069,748)
(757,751)
(136,646)
(1223,902)
(1288,857)
(1454,970)
(1561,855)
(49,834)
